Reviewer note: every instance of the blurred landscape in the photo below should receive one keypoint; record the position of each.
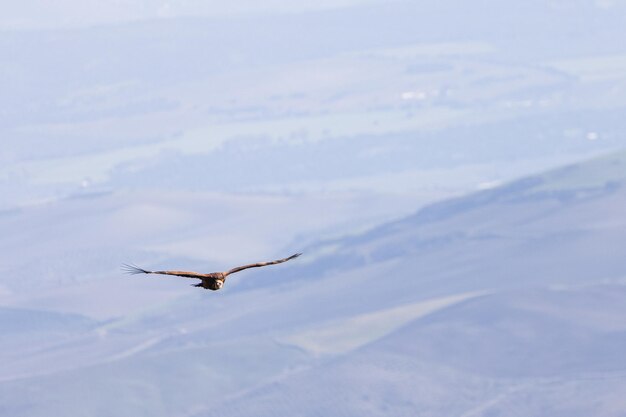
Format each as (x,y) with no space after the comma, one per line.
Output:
(454,172)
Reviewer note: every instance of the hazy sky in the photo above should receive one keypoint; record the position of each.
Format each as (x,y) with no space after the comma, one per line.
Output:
(391,93)
(32,14)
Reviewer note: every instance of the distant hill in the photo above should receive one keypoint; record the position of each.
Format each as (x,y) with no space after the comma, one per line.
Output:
(508,299)
(530,223)
(545,337)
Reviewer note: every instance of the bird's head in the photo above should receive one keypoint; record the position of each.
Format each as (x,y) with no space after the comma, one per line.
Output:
(216,284)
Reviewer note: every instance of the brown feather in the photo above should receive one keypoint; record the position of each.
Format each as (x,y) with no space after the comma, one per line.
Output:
(186,274)
(259,264)
(213,280)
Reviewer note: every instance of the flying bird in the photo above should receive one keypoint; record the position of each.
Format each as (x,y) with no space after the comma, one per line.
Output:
(211,281)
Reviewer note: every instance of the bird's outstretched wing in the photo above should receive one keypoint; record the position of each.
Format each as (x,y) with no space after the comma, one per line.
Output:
(132,269)
(259,264)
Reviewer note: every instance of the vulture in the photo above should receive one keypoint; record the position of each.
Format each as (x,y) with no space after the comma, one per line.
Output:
(211,281)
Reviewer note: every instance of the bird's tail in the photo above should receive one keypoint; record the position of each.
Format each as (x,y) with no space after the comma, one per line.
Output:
(134,269)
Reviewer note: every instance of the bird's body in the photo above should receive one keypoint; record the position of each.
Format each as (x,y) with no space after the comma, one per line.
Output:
(211,281)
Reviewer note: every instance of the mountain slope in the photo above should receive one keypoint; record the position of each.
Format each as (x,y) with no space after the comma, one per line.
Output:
(509,297)
(548,334)
(545,351)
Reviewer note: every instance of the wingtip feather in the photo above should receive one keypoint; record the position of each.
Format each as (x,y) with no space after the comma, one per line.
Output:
(133,269)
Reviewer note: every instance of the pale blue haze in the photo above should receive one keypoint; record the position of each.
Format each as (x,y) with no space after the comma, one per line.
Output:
(454,172)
